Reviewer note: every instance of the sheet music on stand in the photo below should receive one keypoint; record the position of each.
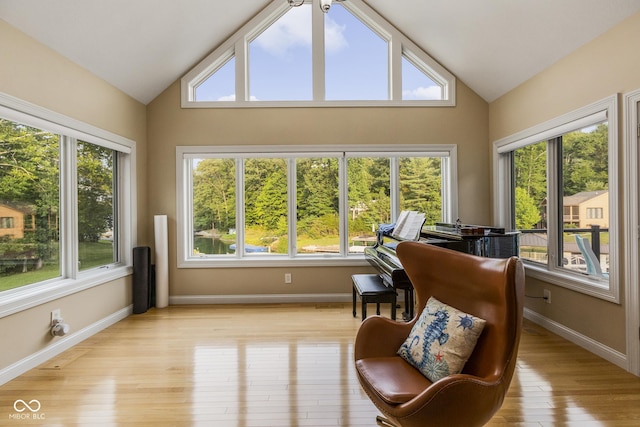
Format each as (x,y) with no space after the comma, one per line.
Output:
(408,225)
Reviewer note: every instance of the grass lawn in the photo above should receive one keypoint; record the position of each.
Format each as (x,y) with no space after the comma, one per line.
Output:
(92,254)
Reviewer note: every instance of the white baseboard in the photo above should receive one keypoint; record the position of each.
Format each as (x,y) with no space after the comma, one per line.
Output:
(20,367)
(595,347)
(259,299)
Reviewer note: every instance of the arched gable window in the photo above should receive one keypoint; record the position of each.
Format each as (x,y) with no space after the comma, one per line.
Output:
(299,56)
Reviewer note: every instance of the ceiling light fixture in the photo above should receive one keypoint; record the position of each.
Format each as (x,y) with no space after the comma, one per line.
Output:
(325,5)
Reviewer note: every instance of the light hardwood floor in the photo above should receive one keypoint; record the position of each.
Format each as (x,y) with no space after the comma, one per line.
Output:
(281,365)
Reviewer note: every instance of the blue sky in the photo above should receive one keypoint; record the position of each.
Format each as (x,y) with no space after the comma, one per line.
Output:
(355,63)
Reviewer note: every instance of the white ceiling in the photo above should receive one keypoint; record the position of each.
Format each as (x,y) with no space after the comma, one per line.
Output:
(142,46)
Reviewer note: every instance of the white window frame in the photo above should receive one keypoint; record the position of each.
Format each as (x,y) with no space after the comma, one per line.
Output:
(71,279)
(632,224)
(184,202)
(605,109)
(238,46)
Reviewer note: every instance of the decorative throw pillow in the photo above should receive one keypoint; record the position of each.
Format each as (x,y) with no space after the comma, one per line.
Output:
(441,340)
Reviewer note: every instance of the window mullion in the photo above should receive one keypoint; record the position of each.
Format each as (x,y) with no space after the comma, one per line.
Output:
(317,52)
(343,202)
(554,202)
(510,202)
(292,212)
(242,69)
(395,70)
(68,207)
(394,196)
(117,257)
(448,191)
(188,210)
(240,208)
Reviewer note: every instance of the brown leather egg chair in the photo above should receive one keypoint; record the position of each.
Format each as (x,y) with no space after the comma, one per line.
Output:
(492,289)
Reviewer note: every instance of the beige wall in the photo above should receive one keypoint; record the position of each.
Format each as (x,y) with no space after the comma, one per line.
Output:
(608,65)
(169,126)
(34,73)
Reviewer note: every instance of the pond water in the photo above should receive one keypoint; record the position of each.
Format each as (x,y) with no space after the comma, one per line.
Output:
(211,246)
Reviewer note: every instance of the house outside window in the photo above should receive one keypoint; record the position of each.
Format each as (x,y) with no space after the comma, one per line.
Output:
(594,213)
(6,222)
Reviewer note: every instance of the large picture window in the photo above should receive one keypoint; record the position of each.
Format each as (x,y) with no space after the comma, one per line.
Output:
(561,182)
(305,206)
(65,203)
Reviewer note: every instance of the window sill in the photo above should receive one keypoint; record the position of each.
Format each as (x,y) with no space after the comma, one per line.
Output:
(273,261)
(320,104)
(23,298)
(593,286)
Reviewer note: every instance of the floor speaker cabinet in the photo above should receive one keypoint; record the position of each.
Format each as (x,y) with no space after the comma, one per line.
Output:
(143,283)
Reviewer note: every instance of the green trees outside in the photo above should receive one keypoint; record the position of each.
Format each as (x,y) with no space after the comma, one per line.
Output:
(30,179)
(584,168)
(421,187)
(531,185)
(527,211)
(95,191)
(318,202)
(369,190)
(265,195)
(585,160)
(214,194)
(318,198)
(95,180)
(29,184)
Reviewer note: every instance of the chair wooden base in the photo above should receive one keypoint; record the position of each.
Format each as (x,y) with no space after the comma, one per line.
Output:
(383,422)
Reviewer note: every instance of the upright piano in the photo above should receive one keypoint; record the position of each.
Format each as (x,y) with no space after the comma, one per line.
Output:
(492,242)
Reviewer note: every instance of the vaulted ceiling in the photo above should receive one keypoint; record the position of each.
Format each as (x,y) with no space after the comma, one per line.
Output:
(142,46)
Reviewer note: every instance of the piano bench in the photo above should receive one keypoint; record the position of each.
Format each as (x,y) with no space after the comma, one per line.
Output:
(372,289)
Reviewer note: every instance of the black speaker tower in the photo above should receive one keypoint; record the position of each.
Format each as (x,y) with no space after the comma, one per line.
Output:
(142,279)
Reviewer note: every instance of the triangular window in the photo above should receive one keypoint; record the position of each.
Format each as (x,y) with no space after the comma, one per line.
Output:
(280,66)
(416,84)
(220,85)
(352,51)
(300,56)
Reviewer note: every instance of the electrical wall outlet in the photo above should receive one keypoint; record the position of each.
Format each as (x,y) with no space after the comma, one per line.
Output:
(56,316)
(287,277)
(547,296)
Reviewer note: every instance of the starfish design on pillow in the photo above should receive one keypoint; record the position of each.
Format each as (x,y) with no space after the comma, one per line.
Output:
(466,322)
